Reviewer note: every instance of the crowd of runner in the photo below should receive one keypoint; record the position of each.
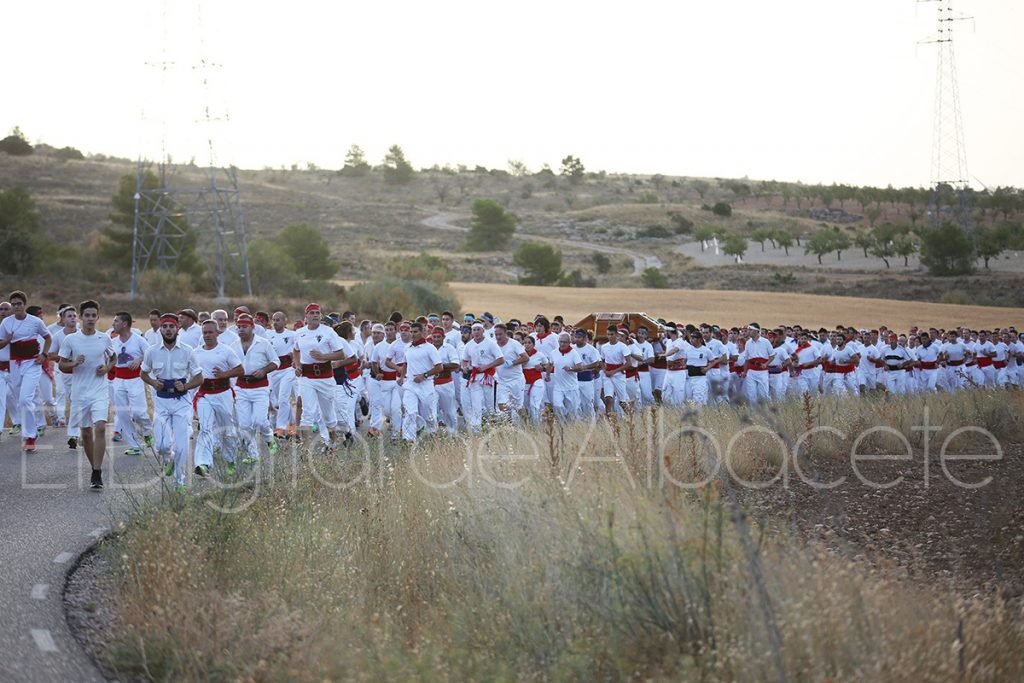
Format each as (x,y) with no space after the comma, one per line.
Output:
(240,386)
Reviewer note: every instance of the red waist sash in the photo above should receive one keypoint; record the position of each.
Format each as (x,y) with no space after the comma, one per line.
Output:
(127,373)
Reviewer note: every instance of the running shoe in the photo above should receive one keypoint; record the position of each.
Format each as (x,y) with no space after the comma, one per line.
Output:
(15,429)
(30,445)
(132,451)
(202,470)
(117,436)
(73,443)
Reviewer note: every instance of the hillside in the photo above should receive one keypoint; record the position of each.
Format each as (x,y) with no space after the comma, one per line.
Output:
(631,219)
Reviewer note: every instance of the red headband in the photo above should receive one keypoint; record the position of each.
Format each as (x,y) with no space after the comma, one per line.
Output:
(244,319)
(313,307)
(170,318)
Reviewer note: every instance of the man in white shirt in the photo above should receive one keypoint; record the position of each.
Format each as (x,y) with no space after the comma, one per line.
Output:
(218,426)
(419,398)
(586,378)
(62,380)
(897,359)
(21,333)
(190,333)
(88,355)
(674,391)
(613,354)
(806,365)
(130,408)
(444,383)
(778,368)
(955,354)
(252,398)
(755,359)
(282,380)
(718,374)
(927,353)
(316,345)
(566,364)
(480,357)
(170,368)
(511,381)
(698,359)
(5,373)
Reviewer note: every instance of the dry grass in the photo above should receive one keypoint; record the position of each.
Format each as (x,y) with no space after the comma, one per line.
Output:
(580,570)
(730,308)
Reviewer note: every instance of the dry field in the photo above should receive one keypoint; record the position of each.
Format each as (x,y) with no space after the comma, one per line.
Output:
(730,308)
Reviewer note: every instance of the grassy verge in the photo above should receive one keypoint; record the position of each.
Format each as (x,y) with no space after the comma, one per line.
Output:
(509,557)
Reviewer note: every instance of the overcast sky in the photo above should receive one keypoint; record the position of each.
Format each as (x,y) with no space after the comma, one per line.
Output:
(810,90)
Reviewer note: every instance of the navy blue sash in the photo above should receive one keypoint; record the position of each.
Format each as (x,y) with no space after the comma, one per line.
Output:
(169,391)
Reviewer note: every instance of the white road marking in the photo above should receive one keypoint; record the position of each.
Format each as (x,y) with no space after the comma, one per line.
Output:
(98,531)
(63,558)
(40,591)
(44,641)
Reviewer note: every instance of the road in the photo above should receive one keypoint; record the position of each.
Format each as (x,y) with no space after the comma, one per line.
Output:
(443,221)
(49,517)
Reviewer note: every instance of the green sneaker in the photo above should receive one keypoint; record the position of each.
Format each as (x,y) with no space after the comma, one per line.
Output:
(272,446)
(41,430)
(316,429)
(169,470)
(149,440)
(132,451)
(232,468)
(202,470)
(249,460)
(15,429)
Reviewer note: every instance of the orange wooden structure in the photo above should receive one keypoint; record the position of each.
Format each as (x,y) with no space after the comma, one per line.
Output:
(597,323)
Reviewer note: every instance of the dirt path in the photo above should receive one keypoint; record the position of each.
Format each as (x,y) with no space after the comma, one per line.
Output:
(443,221)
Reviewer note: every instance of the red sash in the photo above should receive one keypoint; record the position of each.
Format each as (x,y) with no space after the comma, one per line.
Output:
(388,376)
(488,376)
(443,377)
(286,362)
(26,349)
(757,364)
(127,373)
(250,382)
(318,370)
(612,366)
(353,370)
(999,364)
(928,365)
(677,365)
(5,366)
(984,361)
(532,375)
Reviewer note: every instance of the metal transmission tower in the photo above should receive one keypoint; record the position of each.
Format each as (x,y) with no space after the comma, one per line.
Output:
(951,193)
(185,206)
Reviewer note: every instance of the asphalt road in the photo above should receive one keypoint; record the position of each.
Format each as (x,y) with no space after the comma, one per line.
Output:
(48,517)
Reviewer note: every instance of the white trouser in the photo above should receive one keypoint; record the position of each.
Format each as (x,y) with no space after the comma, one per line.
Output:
(62,384)
(896,382)
(130,406)
(565,401)
(928,380)
(446,405)
(216,427)
(24,377)
(697,389)
(809,381)
(633,388)
(390,403)
(955,377)
(346,402)
(755,386)
(282,386)
(586,402)
(674,392)
(989,374)
(510,394)
(615,386)
(172,426)
(47,394)
(420,403)
(318,401)
(1002,376)
(778,384)
(646,387)
(657,379)
(478,391)
(374,396)
(253,409)
(5,387)
(718,385)
(534,395)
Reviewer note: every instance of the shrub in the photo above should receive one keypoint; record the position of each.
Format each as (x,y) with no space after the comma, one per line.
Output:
(492,227)
(542,263)
(379,298)
(423,266)
(601,262)
(956,296)
(722,209)
(576,279)
(647,198)
(654,231)
(680,223)
(165,289)
(15,144)
(653,278)
(68,154)
(945,250)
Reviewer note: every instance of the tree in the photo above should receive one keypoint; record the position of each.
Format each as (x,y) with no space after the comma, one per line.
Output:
(117,240)
(492,227)
(883,250)
(761,235)
(735,246)
(722,209)
(602,262)
(945,250)
(840,243)
(653,278)
(572,168)
(397,170)
(904,246)
(542,263)
(873,214)
(990,244)
(310,251)
(21,241)
(518,168)
(703,233)
(820,244)
(355,162)
(784,238)
(15,144)
(701,187)
(864,240)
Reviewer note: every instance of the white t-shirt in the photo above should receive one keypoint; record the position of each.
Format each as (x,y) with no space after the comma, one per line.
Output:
(322,339)
(193,336)
(30,327)
(129,351)
(562,378)
(698,356)
(283,341)
(97,349)
(511,351)
(482,354)
(612,354)
(419,358)
(260,354)
(221,357)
